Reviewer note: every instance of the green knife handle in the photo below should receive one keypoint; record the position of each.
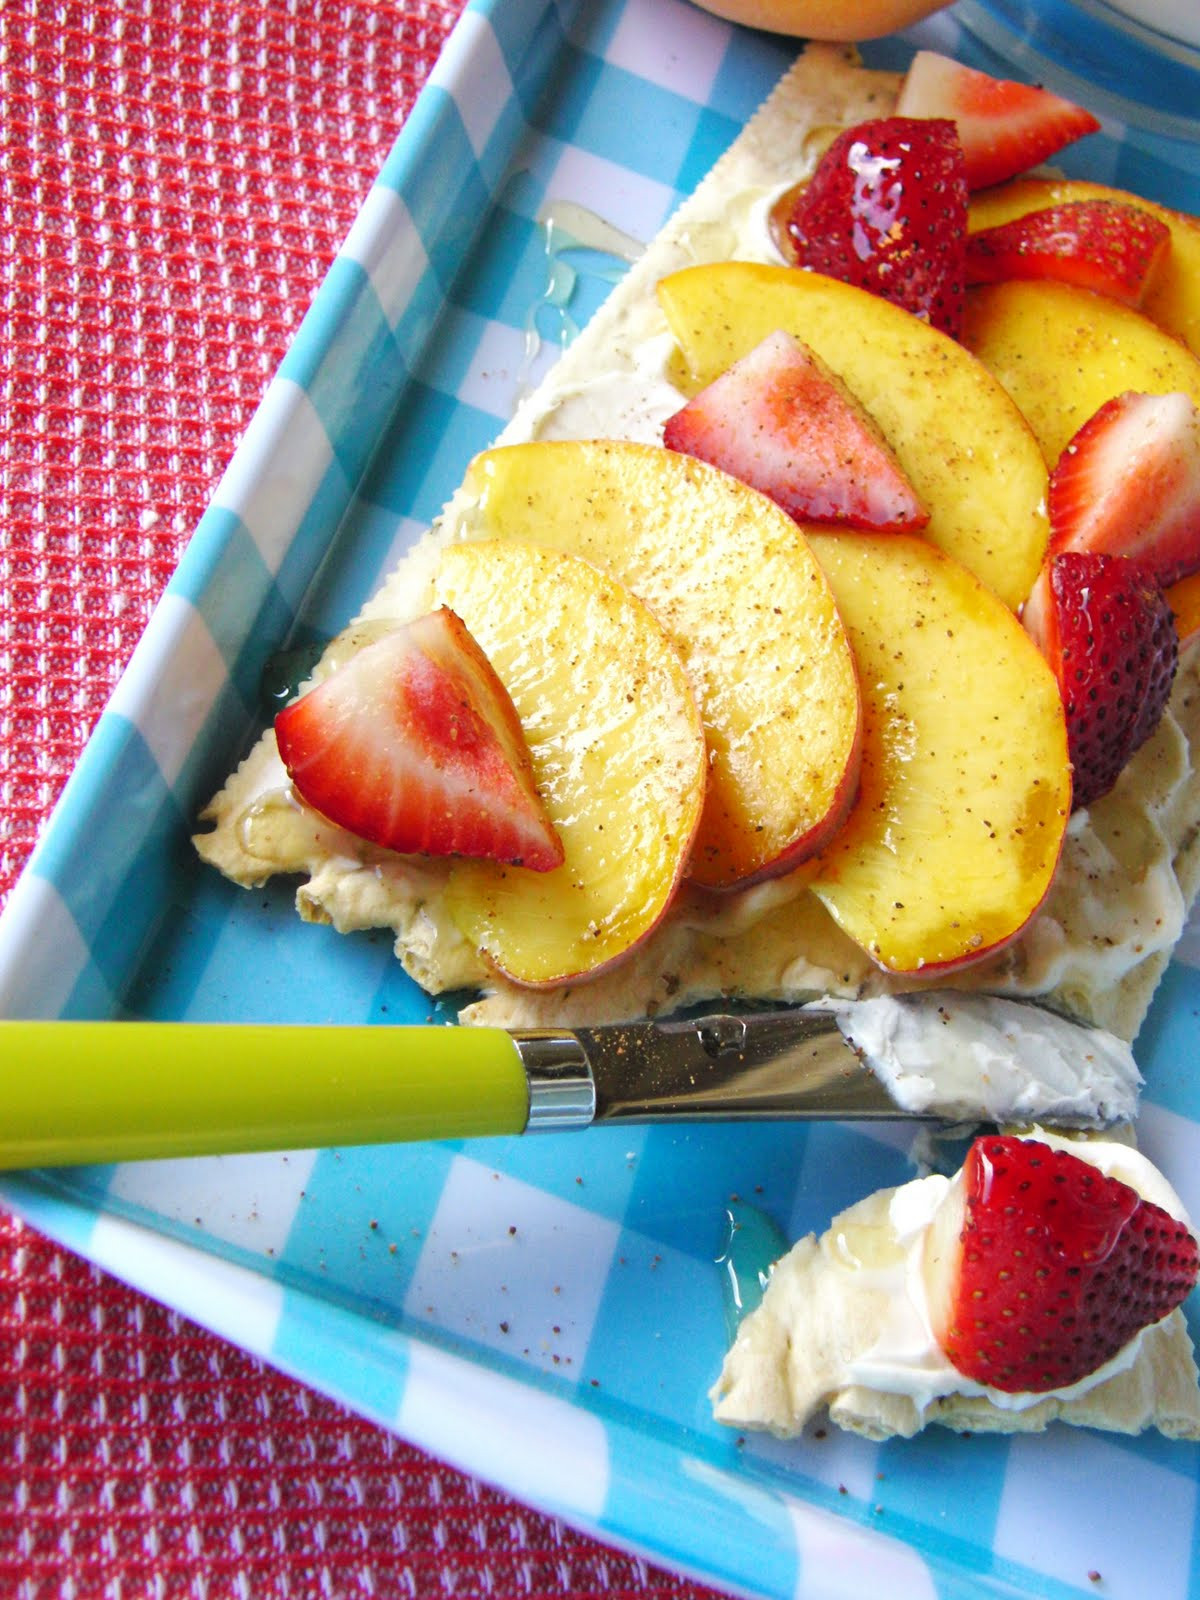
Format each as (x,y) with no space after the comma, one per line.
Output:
(77,1092)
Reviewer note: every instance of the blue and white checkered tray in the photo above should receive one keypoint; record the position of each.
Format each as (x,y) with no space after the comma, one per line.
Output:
(545,1313)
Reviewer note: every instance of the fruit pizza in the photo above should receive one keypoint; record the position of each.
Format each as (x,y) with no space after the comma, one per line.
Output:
(822,625)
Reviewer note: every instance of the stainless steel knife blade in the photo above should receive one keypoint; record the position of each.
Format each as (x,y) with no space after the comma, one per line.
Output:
(832,1061)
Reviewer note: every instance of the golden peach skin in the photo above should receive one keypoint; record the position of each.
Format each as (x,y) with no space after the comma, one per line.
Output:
(844,20)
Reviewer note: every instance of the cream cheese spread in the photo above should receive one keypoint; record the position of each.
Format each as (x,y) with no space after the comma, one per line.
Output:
(970,1057)
(905,1357)
(846,1318)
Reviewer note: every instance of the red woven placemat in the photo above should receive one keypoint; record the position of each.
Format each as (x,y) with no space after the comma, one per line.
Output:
(175,178)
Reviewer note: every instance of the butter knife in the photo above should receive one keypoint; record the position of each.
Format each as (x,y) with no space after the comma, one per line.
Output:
(104,1091)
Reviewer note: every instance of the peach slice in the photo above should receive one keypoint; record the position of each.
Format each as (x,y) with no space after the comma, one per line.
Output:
(618,754)
(1184,600)
(1061,352)
(960,441)
(1173,298)
(732,580)
(966,788)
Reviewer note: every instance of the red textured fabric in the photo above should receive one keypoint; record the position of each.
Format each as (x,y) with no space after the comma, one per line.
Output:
(175,176)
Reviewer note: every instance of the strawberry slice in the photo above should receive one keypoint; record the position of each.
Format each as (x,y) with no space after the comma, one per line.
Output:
(1055,1268)
(1005,127)
(782,421)
(1102,245)
(1106,628)
(1129,482)
(414,744)
(886,210)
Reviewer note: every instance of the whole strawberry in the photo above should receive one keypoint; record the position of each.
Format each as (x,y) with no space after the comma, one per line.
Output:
(1055,1268)
(886,210)
(1106,628)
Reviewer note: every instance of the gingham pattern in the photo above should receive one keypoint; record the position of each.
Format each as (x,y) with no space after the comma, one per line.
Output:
(544,1313)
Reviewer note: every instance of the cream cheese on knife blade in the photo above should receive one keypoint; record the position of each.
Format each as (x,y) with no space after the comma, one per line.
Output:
(983,1056)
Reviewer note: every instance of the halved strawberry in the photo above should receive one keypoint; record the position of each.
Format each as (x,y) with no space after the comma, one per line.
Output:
(1005,127)
(1106,628)
(414,744)
(1129,483)
(1049,1267)
(1102,245)
(886,210)
(782,421)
